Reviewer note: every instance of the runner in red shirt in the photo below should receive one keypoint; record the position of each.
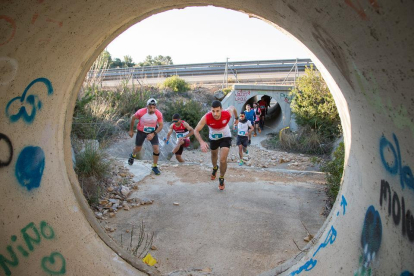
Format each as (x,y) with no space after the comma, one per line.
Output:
(263,104)
(217,121)
(183,132)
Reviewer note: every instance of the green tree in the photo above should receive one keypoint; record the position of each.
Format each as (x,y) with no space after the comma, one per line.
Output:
(314,105)
(106,58)
(158,60)
(116,63)
(128,61)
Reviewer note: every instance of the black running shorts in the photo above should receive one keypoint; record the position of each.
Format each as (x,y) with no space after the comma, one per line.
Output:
(242,140)
(222,143)
(141,136)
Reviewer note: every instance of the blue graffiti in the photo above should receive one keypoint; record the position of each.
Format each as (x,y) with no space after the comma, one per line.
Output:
(29,167)
(394,167)
(344,204)
(330,239)
(309,265)
(371,234)
(407,273)
(32,100)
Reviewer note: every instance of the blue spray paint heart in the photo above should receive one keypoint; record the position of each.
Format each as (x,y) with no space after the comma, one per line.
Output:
(29,167)
(32,100)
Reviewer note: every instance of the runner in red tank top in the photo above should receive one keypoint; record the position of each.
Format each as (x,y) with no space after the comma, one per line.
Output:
(219,135)
(183,131)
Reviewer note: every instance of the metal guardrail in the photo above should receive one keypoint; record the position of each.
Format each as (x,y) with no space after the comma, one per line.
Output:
(216,68)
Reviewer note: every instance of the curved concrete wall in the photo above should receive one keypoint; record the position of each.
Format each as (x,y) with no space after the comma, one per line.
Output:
(46,48)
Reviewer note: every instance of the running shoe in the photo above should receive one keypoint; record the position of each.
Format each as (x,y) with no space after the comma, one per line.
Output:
(241,162)
(221,184)
(260,131)
(156,170)
(213,174)
(247,151)
(169,156)
(255,135)
(131,159)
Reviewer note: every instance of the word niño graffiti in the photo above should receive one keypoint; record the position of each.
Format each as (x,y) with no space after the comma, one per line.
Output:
(32,101)
(395,166)
(6,159)
(397,208)
(54,264)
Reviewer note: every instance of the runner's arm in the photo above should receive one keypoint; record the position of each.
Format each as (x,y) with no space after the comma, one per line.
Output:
(233,109)
(160,126)
(203,145)
(170,131)
(189,128)
(131,127)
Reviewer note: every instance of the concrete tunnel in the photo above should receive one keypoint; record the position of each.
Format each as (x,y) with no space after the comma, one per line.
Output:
(364,50)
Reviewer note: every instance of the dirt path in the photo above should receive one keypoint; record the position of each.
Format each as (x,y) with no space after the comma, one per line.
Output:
(246,229)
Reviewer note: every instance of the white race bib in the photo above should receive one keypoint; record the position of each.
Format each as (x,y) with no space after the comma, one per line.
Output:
(241,133)
(216,136)
(148,129)
(180,135)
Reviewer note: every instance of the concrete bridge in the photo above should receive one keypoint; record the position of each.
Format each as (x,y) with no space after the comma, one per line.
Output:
(363,49)
(279,113)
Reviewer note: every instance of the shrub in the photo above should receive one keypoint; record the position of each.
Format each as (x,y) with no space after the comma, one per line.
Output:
(306,140)
(314,106)
(334,170)
(226,90)
(176,84)
(91,162)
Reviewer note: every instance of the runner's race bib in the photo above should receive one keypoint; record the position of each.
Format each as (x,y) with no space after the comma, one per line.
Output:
(180,135)
(148,129)
(216,136)
(242,133)
(262,107)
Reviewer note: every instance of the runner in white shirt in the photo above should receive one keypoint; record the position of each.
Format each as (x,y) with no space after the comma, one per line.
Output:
(244,129)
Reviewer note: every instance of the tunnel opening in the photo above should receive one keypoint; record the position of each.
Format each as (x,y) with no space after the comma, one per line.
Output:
(273,117)
(272,120)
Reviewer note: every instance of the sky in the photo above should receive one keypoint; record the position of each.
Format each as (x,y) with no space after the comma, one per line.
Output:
(203,35)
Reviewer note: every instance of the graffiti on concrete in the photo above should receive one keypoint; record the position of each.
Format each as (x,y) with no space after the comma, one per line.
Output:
(330,239)
(5,155)
(54,264)
(32,235)
(8,68)
(395,165)
(242,96)
(286,98)
(371,236)
(356,5)
(397,208)
(8,29)
(371,239)
(29,167)
(308,266)
(31,100)
(343,205)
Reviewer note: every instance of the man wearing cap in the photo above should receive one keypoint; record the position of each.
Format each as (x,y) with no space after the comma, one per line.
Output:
(149,125)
